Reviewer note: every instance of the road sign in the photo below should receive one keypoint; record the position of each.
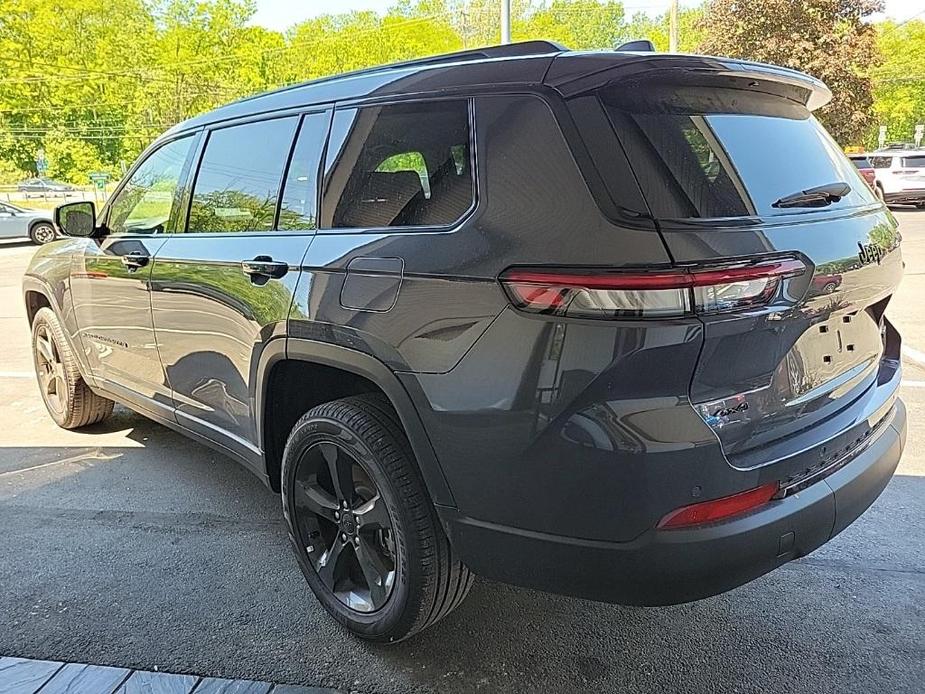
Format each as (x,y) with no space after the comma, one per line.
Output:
(881,137)
(99,179)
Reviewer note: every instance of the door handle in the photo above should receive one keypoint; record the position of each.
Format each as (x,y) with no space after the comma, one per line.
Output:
(135,260)
(264,266)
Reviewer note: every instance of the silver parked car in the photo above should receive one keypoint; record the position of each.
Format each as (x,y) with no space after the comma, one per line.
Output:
(18,222)
(44,186)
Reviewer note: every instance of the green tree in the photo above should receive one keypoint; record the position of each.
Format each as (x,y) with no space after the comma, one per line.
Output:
(899,83)
(690,30)
(829,39)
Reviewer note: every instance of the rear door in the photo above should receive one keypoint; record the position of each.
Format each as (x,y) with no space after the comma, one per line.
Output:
(912,172)
(723,171)
(222,286)
(11,224)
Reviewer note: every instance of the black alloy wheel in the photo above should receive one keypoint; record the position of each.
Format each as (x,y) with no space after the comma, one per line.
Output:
(362,524)
(49,368)
(344,525)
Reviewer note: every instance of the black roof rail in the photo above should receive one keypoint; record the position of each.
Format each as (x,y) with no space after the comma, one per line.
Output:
(509,50)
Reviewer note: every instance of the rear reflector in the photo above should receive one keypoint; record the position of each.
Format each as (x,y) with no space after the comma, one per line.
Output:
(648,294)
(719,509)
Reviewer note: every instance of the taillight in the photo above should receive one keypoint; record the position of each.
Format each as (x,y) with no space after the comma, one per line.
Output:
(719,509)
(648,293)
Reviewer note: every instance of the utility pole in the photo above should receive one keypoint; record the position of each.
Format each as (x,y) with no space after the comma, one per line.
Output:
(673,27)
(505,21)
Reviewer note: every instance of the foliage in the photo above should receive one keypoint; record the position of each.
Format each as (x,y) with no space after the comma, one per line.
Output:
(92,83)
(899,95)
(829,39)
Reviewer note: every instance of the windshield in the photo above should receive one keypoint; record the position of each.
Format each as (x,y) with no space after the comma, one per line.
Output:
(701,153)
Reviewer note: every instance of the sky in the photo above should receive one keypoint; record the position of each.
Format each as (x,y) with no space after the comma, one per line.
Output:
(281,14)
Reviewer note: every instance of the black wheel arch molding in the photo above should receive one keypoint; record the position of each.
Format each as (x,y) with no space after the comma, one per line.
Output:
(365,366)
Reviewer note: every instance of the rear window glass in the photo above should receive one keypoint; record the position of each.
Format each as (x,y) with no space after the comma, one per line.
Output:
(881,162)
(701,153)
(915,162)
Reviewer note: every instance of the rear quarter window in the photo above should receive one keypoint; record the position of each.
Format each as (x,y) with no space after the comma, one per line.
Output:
(881,162)
(916,162)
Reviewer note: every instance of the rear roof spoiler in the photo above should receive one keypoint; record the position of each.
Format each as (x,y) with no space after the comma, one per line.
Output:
(577,72)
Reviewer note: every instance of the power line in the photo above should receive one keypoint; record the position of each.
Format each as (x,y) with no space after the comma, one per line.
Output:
(909,19)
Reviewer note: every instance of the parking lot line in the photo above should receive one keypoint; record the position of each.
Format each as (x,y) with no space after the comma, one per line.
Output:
(914,354)
(16,374)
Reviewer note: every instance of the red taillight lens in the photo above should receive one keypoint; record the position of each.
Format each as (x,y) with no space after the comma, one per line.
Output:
(719,509)
(648,294)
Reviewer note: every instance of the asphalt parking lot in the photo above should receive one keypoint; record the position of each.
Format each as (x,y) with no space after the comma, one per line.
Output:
(129,545)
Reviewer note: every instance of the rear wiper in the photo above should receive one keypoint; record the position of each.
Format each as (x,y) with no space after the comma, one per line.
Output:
(820,196)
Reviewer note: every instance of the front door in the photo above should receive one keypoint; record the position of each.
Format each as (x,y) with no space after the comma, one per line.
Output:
(110,281)
(222,289)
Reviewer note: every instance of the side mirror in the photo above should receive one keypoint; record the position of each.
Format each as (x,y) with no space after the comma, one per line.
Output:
(76,219)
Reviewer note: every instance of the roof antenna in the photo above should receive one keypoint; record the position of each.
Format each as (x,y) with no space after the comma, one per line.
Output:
(642,46)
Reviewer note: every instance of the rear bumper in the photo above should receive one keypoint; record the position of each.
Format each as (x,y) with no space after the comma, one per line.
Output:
(668,567)
(912,196)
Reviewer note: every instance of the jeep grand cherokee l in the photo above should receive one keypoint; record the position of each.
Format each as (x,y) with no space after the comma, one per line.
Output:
(604,324)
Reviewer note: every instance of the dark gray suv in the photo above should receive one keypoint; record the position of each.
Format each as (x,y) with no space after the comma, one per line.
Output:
(604,324)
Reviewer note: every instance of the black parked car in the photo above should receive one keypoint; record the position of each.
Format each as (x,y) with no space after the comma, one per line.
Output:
(546,316)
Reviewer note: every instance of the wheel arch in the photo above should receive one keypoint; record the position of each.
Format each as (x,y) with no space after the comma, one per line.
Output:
(360,373)
(35,299)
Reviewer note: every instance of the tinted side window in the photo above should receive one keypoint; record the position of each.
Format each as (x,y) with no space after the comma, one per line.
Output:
(237,186)
(399,165)
(914,162)
(146,201)
(300,194)
(881,162)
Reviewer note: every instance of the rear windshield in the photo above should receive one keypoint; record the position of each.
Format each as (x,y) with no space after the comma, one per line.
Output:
(914,162)
(725,153)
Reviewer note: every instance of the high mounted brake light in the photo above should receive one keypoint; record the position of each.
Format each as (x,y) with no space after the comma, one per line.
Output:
(648,294)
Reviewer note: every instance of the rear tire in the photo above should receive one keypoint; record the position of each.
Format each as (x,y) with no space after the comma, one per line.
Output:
(878,189)
(359,441)
(42,233)
(68,399)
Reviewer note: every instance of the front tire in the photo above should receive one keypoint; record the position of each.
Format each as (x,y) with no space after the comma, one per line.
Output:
(42,233)
(68,399)
(362,525)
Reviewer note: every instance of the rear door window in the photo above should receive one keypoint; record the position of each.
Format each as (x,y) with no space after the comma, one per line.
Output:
(399,165)
(299,202)
(881,162)
(726,153)
(240,174)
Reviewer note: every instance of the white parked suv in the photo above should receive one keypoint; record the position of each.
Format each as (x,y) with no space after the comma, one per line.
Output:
(900,175)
